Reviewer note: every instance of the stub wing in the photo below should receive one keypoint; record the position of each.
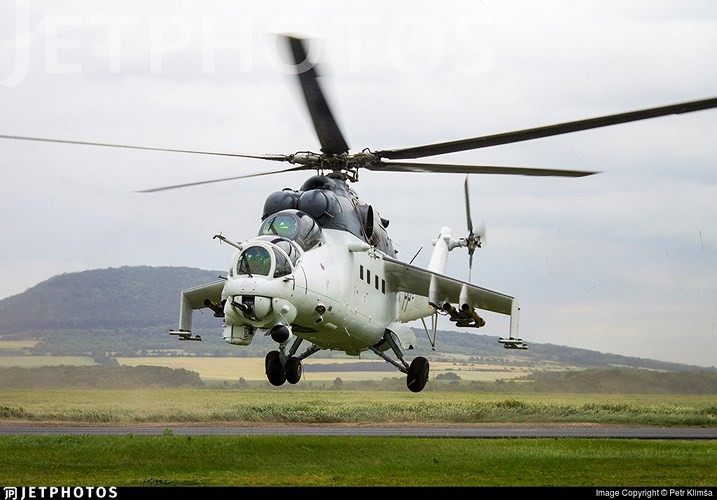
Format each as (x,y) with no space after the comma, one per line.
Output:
(200,297)
(458,298)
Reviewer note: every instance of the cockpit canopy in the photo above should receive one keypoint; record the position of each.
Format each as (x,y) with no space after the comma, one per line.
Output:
(332,205)
(263,260)
(293,225)
(283,237)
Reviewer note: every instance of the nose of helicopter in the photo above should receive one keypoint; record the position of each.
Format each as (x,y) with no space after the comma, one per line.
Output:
(256,289)
(260,309)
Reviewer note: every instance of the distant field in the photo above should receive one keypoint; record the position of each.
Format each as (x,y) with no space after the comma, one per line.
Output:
(251,369)
(14,345)
(35,361)
(232,369)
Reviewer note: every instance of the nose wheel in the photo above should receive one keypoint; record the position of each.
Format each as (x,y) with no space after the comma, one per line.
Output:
(274,369)
(293,370)
(277,373)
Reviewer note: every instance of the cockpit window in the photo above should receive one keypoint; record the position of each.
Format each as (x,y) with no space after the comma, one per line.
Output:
(294,225)
(280,225)
(254,261)
(283,267)
(290,248)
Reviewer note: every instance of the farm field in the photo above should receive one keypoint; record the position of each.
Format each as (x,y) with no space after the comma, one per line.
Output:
(251,369)
(232,369)
(34,361)
(16,345)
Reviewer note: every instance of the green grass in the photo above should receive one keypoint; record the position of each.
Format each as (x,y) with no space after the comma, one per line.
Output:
(323,406)
(354,461)
(172,460)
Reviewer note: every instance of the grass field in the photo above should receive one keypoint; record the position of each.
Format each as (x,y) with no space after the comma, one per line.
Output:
(169,460)
(335,406)
(257,461)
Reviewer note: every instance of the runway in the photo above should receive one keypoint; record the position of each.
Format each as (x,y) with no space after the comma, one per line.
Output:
(469,431)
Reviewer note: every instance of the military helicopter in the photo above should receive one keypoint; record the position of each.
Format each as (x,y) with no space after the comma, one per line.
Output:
(322,272)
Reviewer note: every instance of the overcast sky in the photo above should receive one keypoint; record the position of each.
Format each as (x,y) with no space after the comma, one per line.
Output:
(622,262)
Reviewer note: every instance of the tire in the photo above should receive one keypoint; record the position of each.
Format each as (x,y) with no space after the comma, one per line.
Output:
(274,370)
(293,370)
(417,374)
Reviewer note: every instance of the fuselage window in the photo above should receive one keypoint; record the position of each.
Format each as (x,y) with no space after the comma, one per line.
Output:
(375,277)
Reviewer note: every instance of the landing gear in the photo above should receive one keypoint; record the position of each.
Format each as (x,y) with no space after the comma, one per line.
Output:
(290,370)
(293,370)
(274,369)
(417,374)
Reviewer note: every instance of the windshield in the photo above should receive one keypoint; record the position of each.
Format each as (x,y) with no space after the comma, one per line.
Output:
(294,225)
(254,261)
(280,225)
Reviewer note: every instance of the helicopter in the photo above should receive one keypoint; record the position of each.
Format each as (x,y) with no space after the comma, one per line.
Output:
(322,272)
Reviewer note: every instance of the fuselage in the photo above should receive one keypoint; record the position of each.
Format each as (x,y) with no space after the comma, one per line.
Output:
(334,297)
(318,272)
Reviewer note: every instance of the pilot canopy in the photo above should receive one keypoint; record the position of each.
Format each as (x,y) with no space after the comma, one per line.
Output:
(283,237)
(295,226)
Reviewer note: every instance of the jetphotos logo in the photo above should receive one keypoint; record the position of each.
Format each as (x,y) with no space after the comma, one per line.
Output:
(30,492)
(43,37)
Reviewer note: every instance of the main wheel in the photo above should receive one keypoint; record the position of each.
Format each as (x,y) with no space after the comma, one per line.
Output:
(293,370)
(274,370)
(417,374)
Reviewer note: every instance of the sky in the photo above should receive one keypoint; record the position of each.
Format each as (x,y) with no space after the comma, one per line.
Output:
(622,262)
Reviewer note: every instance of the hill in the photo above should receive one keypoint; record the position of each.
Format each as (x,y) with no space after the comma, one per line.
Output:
(128,311)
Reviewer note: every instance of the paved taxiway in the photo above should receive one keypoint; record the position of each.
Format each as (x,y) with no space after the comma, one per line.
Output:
(477,431)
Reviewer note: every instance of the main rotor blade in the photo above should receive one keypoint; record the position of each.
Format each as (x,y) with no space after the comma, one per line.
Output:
(468,208)
(400,166)
(145,148)
(199,183)
(547,131)
(330,137)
